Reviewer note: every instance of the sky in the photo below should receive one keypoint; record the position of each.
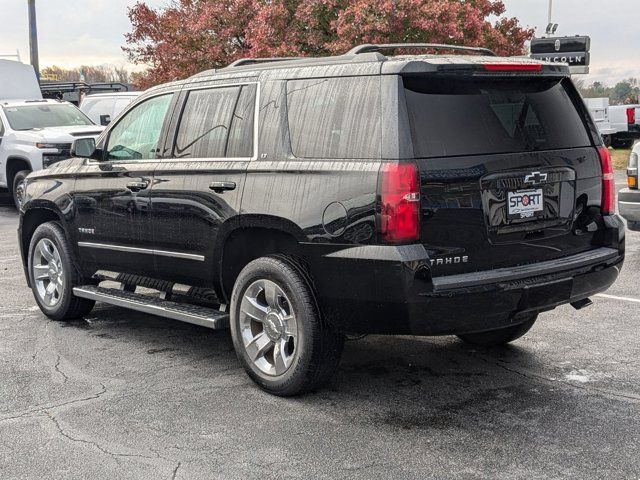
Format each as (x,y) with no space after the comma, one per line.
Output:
(91,32)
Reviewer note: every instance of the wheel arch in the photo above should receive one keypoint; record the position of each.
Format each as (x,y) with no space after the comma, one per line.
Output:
(14,165)
(247,237)
(30,220)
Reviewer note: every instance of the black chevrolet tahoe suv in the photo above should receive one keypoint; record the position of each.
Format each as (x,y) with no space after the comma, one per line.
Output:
(297,201)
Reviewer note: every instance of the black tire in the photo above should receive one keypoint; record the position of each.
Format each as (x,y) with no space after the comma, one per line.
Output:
(501,336)
(318,346)
(17,188)
(68,306)
(606,139)
(635,226)
(621,142)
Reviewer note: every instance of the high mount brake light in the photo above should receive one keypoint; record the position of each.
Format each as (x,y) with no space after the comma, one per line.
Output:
(608,201)
(400,202)
(513,67)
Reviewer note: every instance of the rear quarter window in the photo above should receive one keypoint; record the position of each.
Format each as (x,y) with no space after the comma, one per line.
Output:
(467,116)
(335,117)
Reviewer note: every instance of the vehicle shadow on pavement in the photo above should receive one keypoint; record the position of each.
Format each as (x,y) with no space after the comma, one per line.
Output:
(408,382)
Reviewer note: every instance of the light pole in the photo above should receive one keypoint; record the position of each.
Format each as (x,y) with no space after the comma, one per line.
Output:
(33,37)
(550,11)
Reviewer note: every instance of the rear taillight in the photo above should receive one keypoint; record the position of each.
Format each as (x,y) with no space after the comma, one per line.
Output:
(607,203)
(631,116)
(632,171)
(400,203)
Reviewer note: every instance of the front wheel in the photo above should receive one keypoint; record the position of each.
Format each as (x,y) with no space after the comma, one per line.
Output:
(52,274)
(501,336)
(279,335)
(18,187)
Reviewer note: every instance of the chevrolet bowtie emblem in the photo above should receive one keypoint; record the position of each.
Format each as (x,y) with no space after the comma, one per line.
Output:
(535,178)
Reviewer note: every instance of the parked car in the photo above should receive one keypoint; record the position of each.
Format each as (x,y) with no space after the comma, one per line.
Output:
(35,134)
(619,125)
(300,200)
(101,108)
(629,198)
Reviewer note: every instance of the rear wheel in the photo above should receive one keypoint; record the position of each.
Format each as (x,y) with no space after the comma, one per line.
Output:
(621,142)
(18,189)
(500,336)
(53,274)
(635,226)
(280,338)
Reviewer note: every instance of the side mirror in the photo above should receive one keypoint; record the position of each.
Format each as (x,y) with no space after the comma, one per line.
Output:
(105,120)
(84,148)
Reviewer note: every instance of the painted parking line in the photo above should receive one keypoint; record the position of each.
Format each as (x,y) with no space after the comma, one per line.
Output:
(614,297)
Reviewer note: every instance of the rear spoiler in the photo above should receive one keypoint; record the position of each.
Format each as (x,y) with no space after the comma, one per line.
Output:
(476,66)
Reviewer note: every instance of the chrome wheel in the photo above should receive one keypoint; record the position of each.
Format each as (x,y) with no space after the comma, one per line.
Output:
(268,327)
(18,193)
(47,272)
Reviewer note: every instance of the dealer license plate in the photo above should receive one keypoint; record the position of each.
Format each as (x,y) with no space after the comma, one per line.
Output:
(525,203)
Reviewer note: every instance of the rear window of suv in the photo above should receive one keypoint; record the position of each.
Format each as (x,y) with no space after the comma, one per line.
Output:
(335,117)
(453,117)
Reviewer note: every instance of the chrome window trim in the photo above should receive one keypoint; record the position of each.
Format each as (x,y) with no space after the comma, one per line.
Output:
(148,251)
(185,88)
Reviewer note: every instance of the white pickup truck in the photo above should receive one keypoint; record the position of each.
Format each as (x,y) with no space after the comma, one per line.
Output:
(619,125)
(34,133)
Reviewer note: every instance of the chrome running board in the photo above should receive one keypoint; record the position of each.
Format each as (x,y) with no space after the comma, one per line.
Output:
(203,316)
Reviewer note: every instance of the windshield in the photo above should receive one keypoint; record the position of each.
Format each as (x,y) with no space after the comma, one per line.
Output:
(43,116)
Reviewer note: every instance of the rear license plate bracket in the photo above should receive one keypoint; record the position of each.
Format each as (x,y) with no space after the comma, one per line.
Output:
(523,204)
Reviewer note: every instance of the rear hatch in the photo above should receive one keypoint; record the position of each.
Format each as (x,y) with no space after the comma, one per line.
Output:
(509,174)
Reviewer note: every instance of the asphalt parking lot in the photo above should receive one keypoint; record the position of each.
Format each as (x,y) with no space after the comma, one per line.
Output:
(126,395)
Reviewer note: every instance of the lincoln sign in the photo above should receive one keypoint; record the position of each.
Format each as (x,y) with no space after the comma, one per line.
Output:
(571,50)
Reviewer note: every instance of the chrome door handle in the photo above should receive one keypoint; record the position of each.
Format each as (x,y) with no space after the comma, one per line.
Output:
(220,187)
(137,186)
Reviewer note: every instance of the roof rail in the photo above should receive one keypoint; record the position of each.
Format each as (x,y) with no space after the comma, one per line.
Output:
(251,61)
(366,48)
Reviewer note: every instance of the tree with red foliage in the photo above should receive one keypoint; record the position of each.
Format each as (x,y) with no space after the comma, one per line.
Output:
(194,35)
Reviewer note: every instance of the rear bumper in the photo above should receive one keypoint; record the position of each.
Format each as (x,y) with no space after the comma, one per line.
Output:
(388,290)
(629,205)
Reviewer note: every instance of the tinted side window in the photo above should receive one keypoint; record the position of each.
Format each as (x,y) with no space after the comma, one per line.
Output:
(136,135)
(240,142)
(335,117)
(209,128)
(467,116)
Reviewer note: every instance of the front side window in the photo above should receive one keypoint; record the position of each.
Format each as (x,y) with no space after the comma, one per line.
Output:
(45,115)
(217,123)
(136,135)
(335,117)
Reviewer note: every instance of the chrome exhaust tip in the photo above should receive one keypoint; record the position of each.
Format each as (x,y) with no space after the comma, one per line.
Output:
(580,304)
